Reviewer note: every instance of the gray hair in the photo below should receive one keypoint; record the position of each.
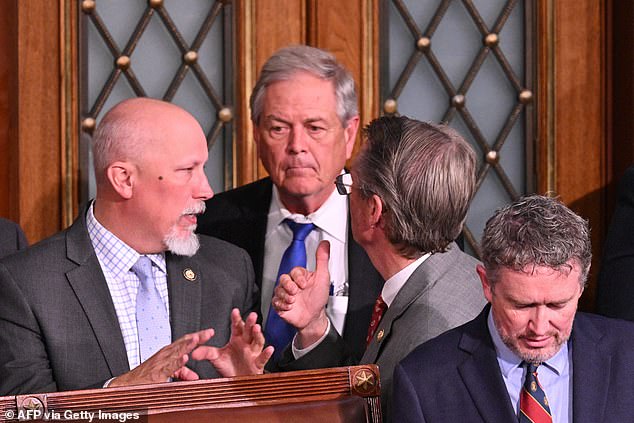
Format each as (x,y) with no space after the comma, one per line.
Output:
(424,175)
(536,231)
(285,63)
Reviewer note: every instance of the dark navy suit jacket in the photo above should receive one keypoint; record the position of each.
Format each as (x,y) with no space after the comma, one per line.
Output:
(615,288)
(456,377)
(239,216)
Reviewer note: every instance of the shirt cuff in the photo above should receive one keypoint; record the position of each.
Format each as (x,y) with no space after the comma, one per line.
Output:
(299,353)
(105,385)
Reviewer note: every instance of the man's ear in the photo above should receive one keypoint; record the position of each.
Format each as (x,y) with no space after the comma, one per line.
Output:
(486,284)
(350,134)
(376,211)
(122,177)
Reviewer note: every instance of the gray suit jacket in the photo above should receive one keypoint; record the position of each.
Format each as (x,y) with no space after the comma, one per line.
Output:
(58,325)
(444,292)
(12,238)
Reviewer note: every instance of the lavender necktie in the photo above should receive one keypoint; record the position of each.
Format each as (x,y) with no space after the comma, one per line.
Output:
(152,321)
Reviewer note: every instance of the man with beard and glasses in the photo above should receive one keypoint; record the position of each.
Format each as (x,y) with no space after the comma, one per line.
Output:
(129,294)
(529,356)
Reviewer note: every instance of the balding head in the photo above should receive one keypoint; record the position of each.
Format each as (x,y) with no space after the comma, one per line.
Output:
(132,128)
(149,160)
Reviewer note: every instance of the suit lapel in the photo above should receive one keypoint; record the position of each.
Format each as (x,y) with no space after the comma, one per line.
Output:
(365,285)
(417,284)
(590,372)
(185,278)
(258,216)
(481,370)
(91,290)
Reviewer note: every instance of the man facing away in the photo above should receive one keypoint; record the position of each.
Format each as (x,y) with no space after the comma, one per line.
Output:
(409,189)
(529,355)
(129,294)
(305,120)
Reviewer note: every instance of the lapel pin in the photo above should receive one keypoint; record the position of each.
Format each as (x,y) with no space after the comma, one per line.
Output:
(189,274)
(379,335)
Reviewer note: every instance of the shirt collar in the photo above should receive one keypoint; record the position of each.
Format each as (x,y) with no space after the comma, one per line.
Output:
(117,256)
(394,284)
(509,360)
(327,217)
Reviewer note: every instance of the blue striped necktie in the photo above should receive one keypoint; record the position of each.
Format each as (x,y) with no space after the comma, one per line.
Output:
(534,406)
(277,332)
(153,326)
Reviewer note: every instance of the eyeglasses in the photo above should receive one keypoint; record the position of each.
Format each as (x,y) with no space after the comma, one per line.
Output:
(343,183)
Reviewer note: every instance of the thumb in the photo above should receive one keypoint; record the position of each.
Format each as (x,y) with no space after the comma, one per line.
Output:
(322,255)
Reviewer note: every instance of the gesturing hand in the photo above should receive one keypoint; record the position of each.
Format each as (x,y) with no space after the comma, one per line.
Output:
(301,296)
(243,354)
(168,362)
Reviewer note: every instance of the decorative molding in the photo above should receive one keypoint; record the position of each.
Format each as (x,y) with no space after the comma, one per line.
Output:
(244,153)
(69,110)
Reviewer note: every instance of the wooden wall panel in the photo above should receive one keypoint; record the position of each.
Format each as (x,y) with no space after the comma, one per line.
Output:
(8,205)
(263,26)
(349,30)
(572,131)
(35,118)
(278,24)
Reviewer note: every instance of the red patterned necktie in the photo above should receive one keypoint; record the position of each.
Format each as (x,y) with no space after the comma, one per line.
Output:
(534,406)
(377,313)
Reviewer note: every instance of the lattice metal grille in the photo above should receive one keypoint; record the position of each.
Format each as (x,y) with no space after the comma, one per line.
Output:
(423,79)
(188,78)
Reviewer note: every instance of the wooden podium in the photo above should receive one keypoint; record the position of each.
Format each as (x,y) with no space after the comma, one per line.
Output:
(343,394)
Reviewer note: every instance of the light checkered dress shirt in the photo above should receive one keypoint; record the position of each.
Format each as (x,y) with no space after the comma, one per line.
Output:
(116,259)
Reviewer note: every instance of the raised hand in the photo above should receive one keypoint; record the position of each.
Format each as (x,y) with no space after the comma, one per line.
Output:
(243,354)
(168,362)
(301,297)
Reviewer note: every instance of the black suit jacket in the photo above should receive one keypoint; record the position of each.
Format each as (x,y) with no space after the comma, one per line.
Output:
(615,288)
(239,216)
(456,377)
(12,238)
(58,326)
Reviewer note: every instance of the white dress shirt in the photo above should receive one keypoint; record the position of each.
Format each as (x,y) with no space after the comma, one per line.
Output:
(394,284)
(331,224)
(116,259)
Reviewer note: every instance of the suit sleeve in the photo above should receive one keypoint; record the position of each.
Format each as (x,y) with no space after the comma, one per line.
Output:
(331,352)
(251,293)
(405,404)
(615,292)
(24,364)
